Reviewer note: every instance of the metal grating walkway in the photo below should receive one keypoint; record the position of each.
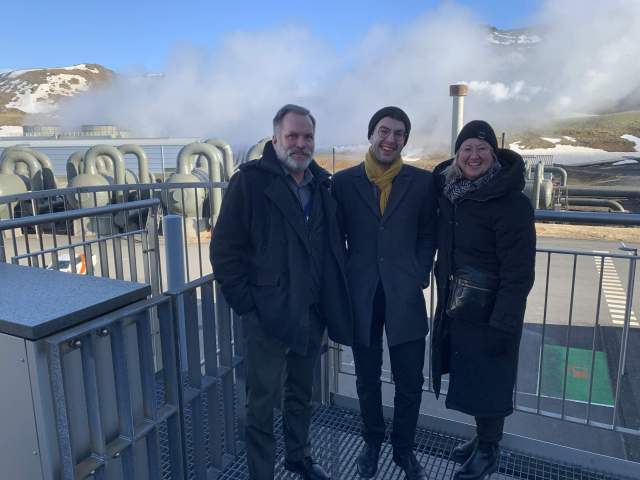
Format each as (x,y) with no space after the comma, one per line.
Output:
(336,441)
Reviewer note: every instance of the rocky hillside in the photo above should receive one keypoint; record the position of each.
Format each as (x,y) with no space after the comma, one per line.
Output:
(39,90)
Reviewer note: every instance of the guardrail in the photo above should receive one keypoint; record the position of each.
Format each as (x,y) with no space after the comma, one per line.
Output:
(212,377)
(117,413)
(113,251)
(583,305)
(89,226)
(578,359)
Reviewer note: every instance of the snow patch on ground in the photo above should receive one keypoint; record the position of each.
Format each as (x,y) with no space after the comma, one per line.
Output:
(81,66)
(10,131)
(571,139)
(633,139)
(17,73)
(571,154)
(37,98)
(551,140)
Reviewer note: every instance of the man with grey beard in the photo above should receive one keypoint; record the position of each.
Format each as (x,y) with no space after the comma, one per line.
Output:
(277,253)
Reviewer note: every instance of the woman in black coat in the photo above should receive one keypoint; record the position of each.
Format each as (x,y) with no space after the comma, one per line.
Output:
(484,272)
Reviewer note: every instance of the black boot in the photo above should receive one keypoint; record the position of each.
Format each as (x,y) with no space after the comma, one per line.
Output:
(462,452)
(308,468)
(367,461)
(408,462)
(483,461)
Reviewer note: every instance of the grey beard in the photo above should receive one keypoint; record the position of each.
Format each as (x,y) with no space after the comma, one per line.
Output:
(291,165)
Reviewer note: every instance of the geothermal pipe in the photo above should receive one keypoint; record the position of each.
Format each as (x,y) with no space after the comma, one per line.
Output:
(74,165)
(608,192)
(42,179)
(214,161)
(458,92)
(560,171)
(596,202)
(18,155)
(143,162)
(564,179)
(538,175)
(118,165)
(255,152)
(227,156)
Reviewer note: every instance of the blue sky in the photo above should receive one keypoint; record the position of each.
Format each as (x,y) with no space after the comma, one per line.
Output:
(141,34)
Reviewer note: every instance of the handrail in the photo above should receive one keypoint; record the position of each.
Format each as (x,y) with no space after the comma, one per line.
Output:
(597,218)
(75,214)
(18,197)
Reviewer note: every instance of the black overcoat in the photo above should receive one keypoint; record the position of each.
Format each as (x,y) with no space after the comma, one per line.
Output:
(260,254)
(492,230)
(396,248)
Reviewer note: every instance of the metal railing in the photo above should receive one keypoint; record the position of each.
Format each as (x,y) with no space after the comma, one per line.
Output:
(117,414)
(211,378)
(566,318)
(118,249)
(87,229)
(124,406)
(580,325)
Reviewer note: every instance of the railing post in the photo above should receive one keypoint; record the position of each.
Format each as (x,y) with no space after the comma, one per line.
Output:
(631,282)
(223,317)
(3,257)
(174,258)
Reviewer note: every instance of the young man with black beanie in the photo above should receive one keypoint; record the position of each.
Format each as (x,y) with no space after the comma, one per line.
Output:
(387,213)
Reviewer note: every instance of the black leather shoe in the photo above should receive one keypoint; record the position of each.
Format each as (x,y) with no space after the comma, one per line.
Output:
(462,452)
(308,468)
(367,461)
(410,465)
(483,461)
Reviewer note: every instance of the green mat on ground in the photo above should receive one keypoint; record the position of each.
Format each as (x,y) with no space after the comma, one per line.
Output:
(578,375)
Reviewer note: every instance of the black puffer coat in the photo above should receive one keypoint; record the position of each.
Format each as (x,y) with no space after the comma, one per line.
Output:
(491,230)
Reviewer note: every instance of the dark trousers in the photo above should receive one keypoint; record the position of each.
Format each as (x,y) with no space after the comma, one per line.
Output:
(271,366)
(407,361)
(489,429)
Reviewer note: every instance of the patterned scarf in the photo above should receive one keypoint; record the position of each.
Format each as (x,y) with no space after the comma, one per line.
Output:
(383,179)
(458,186)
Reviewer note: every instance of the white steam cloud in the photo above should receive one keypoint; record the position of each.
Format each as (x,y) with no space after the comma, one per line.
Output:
(586,61)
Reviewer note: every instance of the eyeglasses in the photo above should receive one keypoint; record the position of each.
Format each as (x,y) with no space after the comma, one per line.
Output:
(398,135)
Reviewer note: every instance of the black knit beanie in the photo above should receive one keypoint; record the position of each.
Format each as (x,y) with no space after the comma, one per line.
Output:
(393,112)
(477,129)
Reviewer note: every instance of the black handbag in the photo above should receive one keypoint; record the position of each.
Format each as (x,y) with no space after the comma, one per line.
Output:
(472,294)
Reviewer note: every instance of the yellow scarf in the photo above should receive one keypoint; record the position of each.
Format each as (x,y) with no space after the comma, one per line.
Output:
(381,178)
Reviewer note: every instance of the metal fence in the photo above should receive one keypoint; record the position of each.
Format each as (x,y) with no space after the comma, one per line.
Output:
(578,363)
(212,377)
(104,239)
(579,357)
(117,415)
(125,404)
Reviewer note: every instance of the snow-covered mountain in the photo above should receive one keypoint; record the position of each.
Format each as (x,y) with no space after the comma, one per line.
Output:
(39,90)
(521,37)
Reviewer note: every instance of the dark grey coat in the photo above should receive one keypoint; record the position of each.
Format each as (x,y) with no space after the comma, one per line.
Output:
(260,254)
(491,230)
(395,249)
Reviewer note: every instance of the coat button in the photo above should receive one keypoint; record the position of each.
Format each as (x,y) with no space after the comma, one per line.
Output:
(381,227)
(381,259)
